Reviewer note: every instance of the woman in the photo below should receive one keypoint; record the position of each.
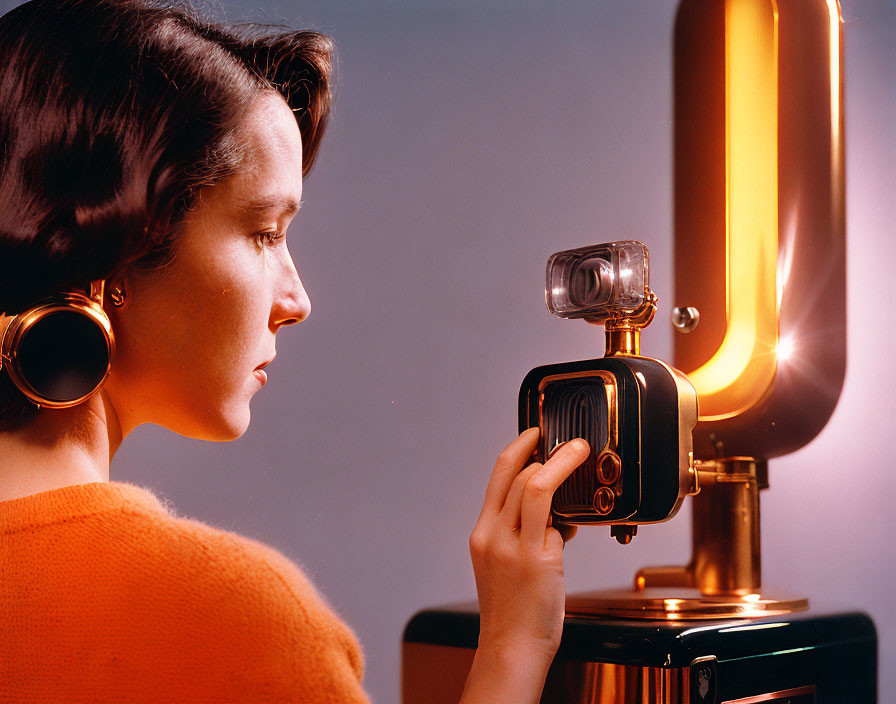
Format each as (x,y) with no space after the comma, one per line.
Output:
(146,149)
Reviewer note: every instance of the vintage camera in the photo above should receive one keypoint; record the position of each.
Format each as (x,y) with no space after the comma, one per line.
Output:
(637,413)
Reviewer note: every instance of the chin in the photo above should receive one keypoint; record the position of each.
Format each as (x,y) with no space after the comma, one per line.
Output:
(224,427)
(232,428)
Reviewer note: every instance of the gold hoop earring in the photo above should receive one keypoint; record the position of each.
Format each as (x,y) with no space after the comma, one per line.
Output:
(117,295)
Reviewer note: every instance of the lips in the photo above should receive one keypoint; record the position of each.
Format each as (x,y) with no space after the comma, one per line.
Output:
(264,364)
(260,373)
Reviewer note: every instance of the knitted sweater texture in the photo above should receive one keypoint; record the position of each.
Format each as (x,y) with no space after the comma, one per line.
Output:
(107,596)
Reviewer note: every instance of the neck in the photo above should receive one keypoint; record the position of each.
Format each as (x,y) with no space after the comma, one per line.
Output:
(60,447)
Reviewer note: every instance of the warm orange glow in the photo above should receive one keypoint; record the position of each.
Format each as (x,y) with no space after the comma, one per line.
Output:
(743,367)
(836,115)
(834,9)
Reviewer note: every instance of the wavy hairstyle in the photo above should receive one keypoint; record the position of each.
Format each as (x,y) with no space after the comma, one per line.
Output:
(113,114)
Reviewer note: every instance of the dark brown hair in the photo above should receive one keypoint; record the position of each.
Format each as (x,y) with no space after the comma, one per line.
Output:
(113,114)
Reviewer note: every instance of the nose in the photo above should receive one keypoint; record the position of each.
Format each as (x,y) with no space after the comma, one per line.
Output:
(292,305)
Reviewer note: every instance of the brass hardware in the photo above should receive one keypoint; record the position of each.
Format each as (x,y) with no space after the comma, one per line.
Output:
(623,341)
(726,550)
(623,334)
(96,291)
(679,603)
(608,467)
(725,520)
(694,476)
(685,318)
(604,498)
(723,578)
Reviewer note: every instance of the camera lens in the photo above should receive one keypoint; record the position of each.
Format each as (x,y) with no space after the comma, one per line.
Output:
(591,282)
(597,282)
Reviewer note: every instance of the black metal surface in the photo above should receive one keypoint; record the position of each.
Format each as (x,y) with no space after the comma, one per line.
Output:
(659,440)
(837,652)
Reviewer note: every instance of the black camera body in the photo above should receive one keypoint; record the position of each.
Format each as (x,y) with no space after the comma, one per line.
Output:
(636,413)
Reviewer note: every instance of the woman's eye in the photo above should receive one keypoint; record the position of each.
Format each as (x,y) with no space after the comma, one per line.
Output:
(268,239)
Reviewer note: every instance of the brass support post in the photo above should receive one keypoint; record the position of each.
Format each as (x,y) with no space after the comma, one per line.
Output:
(623,340)
(623,333)
(723,578)
(725,525)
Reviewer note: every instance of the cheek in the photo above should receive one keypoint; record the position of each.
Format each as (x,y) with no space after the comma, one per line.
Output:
(224,317)
(201,324)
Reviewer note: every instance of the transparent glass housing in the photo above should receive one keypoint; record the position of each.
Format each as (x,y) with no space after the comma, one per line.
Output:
(597,282)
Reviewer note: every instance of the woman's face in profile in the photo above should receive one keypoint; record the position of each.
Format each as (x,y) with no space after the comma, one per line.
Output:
(191,336)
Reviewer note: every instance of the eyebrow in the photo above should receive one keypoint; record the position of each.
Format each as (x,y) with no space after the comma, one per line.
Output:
(282,204)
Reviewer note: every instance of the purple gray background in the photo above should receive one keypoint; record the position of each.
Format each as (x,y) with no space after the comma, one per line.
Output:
(471,139)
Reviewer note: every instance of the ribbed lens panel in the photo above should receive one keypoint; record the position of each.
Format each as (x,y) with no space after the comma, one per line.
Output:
(575,408)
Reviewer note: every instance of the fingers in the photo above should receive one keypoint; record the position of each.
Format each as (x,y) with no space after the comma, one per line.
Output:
(535,507)
(508,466)
(566,532)
(553,540)
(509,516)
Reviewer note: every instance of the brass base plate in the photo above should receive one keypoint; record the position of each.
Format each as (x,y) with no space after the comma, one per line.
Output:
(679,604)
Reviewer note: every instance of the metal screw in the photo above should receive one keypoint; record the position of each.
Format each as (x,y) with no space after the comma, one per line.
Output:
(685,319)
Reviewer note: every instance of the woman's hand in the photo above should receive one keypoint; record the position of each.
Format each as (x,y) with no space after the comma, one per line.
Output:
(518,560)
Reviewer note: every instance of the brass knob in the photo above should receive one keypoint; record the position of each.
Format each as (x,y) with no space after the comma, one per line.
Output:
(604,498)
(608,467)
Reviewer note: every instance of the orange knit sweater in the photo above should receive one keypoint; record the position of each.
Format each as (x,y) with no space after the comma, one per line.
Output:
(106,596)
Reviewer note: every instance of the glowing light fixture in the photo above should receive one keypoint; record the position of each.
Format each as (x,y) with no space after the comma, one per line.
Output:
(759,219)
(737,376)
(784,349)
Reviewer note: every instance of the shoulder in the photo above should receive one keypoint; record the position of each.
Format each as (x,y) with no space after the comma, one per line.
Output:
(236,564)
(245,611)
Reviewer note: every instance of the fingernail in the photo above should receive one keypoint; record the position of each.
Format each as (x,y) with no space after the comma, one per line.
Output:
(555,449)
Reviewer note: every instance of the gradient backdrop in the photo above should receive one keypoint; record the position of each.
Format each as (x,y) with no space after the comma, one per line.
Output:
(471,139)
